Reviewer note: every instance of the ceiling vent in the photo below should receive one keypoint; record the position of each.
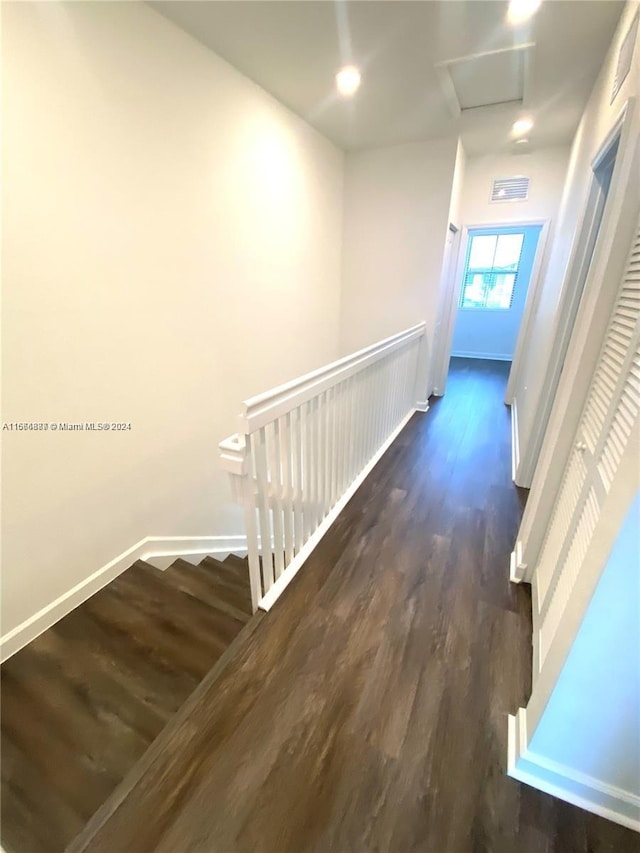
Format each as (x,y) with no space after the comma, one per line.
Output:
(510,189)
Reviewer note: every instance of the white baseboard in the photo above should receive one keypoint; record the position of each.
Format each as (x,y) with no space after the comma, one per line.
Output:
(487,356)
(513,569)
(268,600)
(422,406)
(564,782)
(517,569)
(159,551)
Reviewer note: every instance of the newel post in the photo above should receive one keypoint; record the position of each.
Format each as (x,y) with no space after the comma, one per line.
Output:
(421,391)
(235,460)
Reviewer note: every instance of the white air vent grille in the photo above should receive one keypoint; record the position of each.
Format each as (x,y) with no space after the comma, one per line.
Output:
(510,189)
(625,58)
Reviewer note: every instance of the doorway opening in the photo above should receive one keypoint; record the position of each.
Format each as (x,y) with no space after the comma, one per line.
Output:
(500,284)
(585,246)
(493,290)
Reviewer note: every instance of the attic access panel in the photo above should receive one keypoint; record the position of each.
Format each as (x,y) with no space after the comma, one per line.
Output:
(486,79)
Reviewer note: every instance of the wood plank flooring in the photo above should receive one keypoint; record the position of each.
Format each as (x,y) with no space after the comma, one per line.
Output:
(367,711)
(82,703)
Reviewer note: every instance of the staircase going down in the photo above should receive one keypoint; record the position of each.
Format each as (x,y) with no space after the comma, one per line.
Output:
(82,703)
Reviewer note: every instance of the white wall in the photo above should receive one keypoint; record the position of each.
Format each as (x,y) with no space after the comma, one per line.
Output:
(171,245)
(396,204)
(608,263)
(457,186)
(598,118)
(592,722)
(547,168)
(438,366)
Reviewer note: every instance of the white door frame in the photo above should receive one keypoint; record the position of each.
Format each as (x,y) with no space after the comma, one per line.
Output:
(607,265)
(451,297)
(566,315)
(440,354)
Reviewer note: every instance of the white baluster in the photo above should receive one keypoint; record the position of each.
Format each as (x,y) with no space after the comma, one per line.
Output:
(307,473)
(411,398)
(392,391)
(299,485)
(353,427)
(275,467)
(371,412)
(385,399)
(329,447)
(326,456)
(251,525)
(344,436)
(364,418)
(377,403)
(369,379)
(402,387)
(335,405)
(399,410)
(389,401)
(308,440)
(396,411)
(356,433)
(287,480)
(236,459)
(315,484)
(263,485)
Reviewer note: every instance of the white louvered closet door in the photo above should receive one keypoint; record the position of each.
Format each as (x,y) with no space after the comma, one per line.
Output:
(609,420)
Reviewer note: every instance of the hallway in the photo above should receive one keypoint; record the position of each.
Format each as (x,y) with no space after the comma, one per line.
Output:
(368,710)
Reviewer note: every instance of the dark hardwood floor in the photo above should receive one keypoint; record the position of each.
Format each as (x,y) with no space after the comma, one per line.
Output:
(81,704)
(368,710)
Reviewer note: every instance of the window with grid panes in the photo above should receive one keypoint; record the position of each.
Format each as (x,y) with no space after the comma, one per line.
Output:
(491,271)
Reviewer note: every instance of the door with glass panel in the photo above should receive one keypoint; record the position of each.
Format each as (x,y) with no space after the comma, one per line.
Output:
(493,292)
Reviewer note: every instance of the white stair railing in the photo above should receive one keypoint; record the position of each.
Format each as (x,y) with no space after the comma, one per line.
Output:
(304,448)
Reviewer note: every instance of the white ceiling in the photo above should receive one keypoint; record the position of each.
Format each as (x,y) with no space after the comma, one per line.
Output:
(293,50)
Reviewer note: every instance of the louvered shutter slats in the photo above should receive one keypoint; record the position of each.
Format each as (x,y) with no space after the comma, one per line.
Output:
(567,576)
(609,417)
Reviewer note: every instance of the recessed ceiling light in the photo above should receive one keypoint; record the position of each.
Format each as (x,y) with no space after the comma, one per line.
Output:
(523,125)
(522,141)
(522,10)
(348,80)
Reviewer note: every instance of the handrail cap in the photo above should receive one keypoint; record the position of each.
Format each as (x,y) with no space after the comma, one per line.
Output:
(265,407)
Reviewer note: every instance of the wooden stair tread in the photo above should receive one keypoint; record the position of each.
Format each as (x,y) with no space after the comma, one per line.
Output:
(77,692)
(65,770)
(195,614)
(232,575)
(201,585)
(240,563)
(25,791)
(111,652)
(151,629)
(230,587)
(238,573)
(85,700)
(164,744)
